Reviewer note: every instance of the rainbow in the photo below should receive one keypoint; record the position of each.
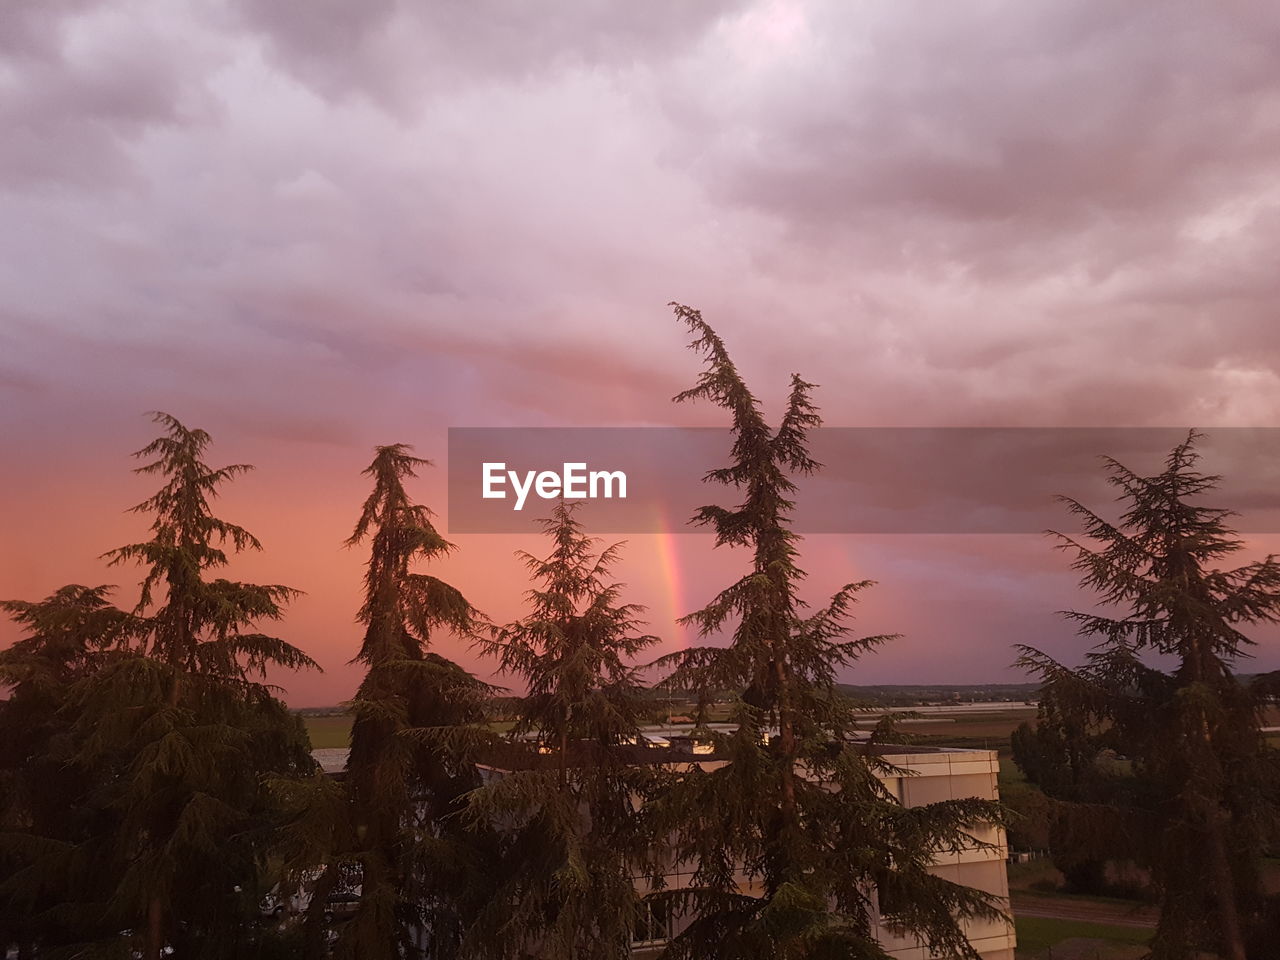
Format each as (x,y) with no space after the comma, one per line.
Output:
(669,571)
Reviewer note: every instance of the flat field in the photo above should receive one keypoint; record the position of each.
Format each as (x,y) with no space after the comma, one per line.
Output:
(329,731)
(988,730)
(1051,937)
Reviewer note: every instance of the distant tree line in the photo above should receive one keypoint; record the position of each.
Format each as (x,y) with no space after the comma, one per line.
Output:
(913,695)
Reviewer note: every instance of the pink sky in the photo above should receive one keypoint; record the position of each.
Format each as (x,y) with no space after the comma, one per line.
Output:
(364,223)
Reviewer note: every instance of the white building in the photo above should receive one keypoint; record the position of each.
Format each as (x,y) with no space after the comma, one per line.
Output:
(928,775)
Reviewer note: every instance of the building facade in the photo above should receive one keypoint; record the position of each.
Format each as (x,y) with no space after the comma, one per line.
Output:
(927,775)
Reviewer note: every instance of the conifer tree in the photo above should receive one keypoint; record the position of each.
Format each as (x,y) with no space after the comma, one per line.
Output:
(416,716)
(567,809)
(1201,797)
(188,724)
(794,839)
(172,728)
(44,862)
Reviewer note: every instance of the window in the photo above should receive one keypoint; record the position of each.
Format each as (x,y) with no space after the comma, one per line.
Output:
(889,903)
(653,922)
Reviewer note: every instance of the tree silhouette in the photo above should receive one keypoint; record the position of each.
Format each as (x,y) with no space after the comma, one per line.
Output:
(416,726)
(571,838)
(794,841)
(1200,800)
(164,716)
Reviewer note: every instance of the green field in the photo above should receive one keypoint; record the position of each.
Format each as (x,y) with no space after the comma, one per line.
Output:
(1036,935)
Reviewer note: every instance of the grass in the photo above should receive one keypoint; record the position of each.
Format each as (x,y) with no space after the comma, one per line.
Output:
(981,732)
(1037,934)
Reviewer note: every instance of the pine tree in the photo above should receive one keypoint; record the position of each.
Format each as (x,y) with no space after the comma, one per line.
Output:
(43,814)
(170,726)
(1202,796)
(416,724)
(567,809)
(187,722)
(793,836)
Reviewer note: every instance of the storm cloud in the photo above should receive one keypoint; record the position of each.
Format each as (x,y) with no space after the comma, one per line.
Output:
(312,228)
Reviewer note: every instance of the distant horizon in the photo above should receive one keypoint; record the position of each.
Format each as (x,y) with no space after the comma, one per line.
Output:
(884,686)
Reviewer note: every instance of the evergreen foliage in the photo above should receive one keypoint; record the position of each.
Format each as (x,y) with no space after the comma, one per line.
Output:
(1195,799)
(47,867)
(161,730)
(154,788)
(566,804)
(416,726)
(1058,755)
(795,843)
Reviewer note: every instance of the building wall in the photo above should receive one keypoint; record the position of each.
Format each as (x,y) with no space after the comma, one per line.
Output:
(943,774)
(954,775)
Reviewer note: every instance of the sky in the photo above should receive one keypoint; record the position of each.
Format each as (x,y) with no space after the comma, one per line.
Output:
(310,229)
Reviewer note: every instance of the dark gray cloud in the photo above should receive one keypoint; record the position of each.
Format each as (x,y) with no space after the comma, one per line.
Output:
(85,84)
(1021,119)
(1015,212)
(398,52)
(34,31)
